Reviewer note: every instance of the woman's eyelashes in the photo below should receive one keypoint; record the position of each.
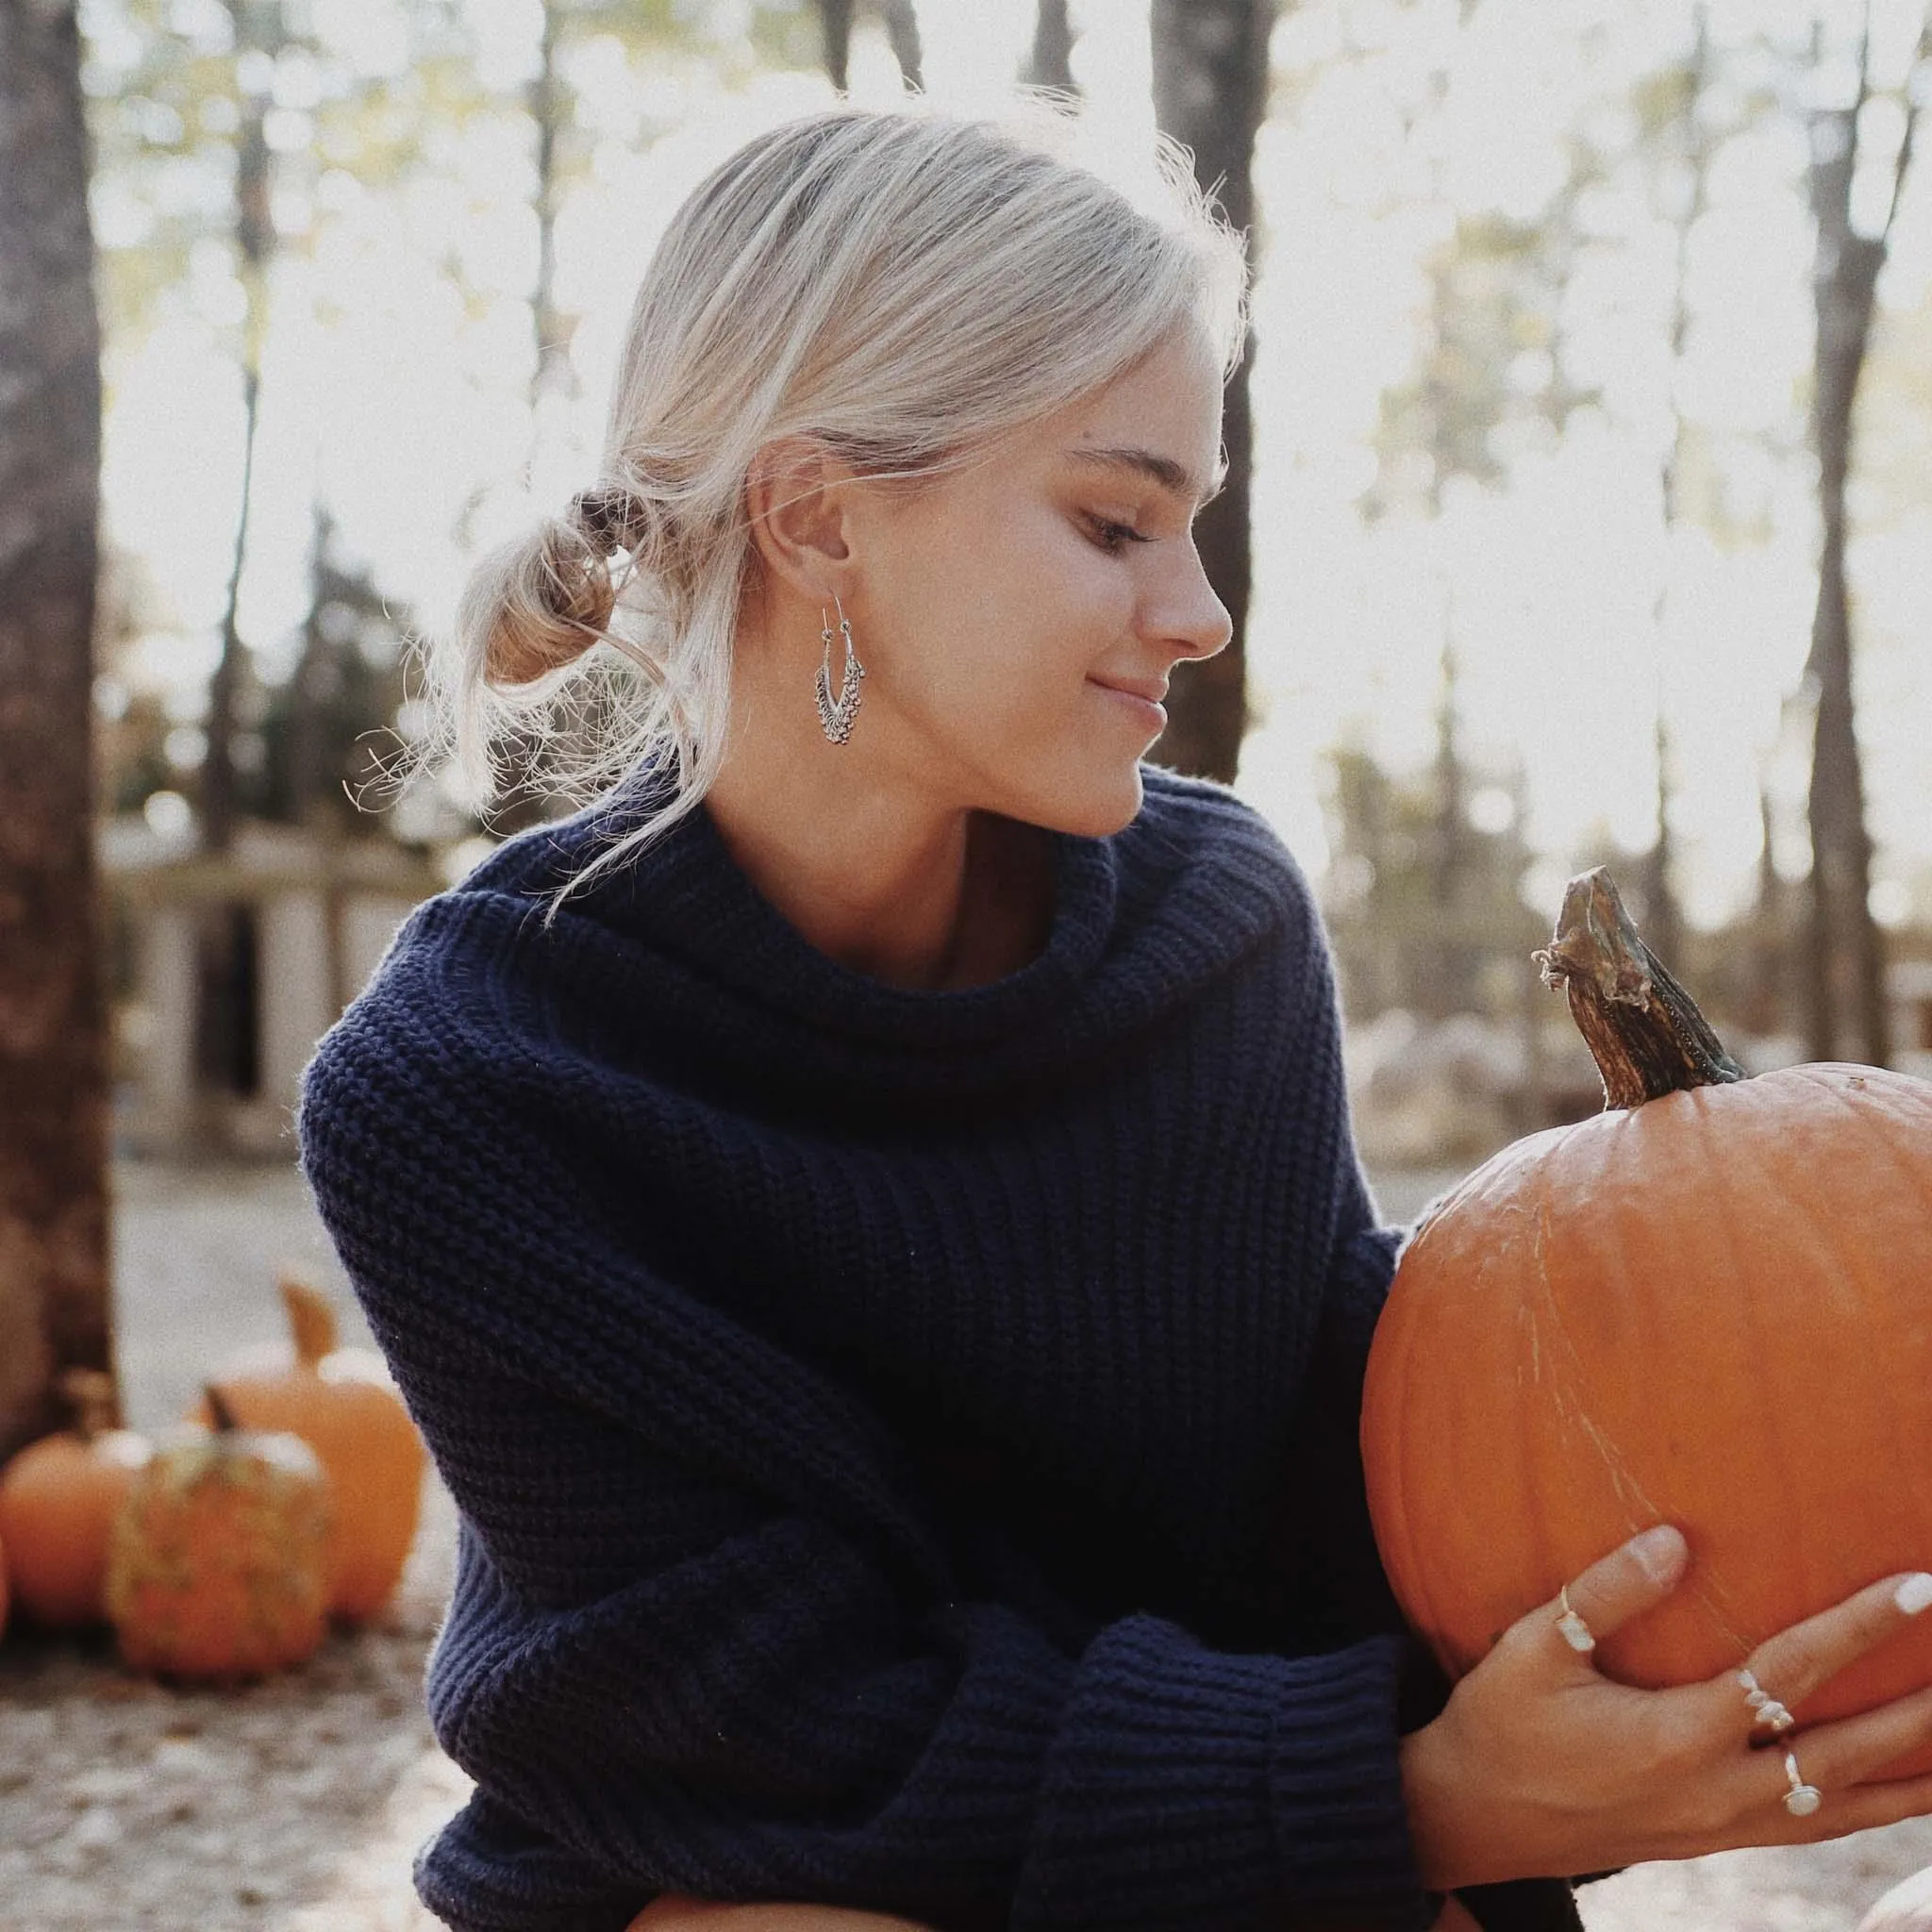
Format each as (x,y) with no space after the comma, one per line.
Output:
(1114,537)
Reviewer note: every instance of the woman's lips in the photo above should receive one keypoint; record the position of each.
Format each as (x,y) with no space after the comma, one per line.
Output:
(1148,710)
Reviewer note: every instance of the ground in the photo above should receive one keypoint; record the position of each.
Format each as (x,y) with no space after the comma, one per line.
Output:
(293,1805)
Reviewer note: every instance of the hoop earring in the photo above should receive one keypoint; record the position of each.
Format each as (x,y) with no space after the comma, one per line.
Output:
(836,714)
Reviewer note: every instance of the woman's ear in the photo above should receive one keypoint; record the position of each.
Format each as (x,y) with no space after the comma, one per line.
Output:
(798,500)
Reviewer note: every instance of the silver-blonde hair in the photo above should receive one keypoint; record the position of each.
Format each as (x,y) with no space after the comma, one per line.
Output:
(904,287)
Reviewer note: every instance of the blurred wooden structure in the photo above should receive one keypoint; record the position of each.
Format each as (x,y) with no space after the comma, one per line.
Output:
(228,967)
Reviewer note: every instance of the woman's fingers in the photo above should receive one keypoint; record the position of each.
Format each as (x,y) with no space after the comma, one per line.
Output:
(1795,1662)
(1858,1748)
(1863,1808)
(1622,1584)
(1836,1760)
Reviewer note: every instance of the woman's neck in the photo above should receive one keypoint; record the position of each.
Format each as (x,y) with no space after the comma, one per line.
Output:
(968,905)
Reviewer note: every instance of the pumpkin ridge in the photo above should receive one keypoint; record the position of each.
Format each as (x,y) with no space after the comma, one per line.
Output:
(1406,1471)
(1572,1393)
(1402,1471)
(1906,1464)
(1710,1156)
(1816,1078)
(1544,1554)
(1684,1106)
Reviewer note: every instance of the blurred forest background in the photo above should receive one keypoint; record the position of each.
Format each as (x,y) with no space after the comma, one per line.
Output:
(1581,503)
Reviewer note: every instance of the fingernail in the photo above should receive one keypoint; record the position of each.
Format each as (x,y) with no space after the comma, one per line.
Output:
(1661,1552)
(1914,1595)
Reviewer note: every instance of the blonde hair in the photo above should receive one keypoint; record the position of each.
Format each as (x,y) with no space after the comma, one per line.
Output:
(903,288)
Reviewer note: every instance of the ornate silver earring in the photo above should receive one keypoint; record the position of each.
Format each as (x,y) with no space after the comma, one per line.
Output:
(836,714)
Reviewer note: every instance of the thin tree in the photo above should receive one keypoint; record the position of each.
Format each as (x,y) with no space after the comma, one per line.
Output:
(54,1250)
(1663,923)
(1844,952)
(1210,92)
(1051,63)
(1766,1003)
(532,797)
(225,1044)
(902,36)
(259,28)
(550,112)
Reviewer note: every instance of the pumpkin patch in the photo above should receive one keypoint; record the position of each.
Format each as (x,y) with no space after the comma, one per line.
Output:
(218,1566)
(1708,1305)
(343,1403)
(59,1499)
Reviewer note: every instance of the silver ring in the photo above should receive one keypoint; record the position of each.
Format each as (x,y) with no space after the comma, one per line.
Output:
(1576,1631)
(1801,1799)
(1765,1709)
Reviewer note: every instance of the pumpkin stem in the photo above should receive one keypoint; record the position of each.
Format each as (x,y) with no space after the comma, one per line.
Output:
(225,1417)
(92,1396)
(1642,1027)
(312,1319)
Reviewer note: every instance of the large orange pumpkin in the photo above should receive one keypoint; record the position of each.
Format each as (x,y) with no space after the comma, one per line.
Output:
(218,1566)
(343,1403)
(59,1499)
(1710,1305)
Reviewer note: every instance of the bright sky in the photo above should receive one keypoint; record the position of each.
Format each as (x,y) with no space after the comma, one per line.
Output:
(404,405)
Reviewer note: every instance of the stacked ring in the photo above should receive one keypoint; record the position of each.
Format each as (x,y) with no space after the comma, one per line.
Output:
(1765,1709)
(1576,1631)
(1801,1799)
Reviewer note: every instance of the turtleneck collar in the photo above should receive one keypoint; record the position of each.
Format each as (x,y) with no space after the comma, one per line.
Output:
(1142,918)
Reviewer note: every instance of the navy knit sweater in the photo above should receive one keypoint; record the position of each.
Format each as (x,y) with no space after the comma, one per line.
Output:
(905,1441)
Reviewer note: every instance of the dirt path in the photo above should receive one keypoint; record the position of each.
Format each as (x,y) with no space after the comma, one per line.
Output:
(294,1805)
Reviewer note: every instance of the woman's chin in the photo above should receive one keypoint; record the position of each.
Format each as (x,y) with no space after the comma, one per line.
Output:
(1109,805)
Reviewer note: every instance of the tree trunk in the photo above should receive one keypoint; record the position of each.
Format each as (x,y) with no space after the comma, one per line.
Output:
(1844,954)
(550,112)
(1766,1005)
(902,36)
(224,1015)
(1210,92)
(1453,987)
(254,240)
(1052,61)
(53,1253)
(1663,921)
(835,18)
(530,798)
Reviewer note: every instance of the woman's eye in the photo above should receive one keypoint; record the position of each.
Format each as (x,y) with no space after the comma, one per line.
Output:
(1112,537)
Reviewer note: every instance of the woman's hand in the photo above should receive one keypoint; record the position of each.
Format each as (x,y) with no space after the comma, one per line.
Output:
(1539,1766)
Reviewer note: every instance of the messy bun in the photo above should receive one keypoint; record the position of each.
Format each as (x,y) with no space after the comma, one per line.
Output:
(555,591)
(904,286)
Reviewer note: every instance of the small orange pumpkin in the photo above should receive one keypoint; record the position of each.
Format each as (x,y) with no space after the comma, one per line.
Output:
(1708,1305)
(218,1566)
(343,1403)
(59,1499)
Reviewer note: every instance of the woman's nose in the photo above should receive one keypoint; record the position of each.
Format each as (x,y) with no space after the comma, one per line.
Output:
(1193,618)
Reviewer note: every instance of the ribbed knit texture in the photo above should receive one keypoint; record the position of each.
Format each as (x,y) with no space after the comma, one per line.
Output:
(904,1440)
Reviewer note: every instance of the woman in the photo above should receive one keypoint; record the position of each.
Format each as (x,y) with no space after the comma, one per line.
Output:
(864,1213)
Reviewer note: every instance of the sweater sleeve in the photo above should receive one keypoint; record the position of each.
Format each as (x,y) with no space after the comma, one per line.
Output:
(702,1640)
(1353,1588)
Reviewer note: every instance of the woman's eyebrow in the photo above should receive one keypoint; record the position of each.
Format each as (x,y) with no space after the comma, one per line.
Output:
(1176,479)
